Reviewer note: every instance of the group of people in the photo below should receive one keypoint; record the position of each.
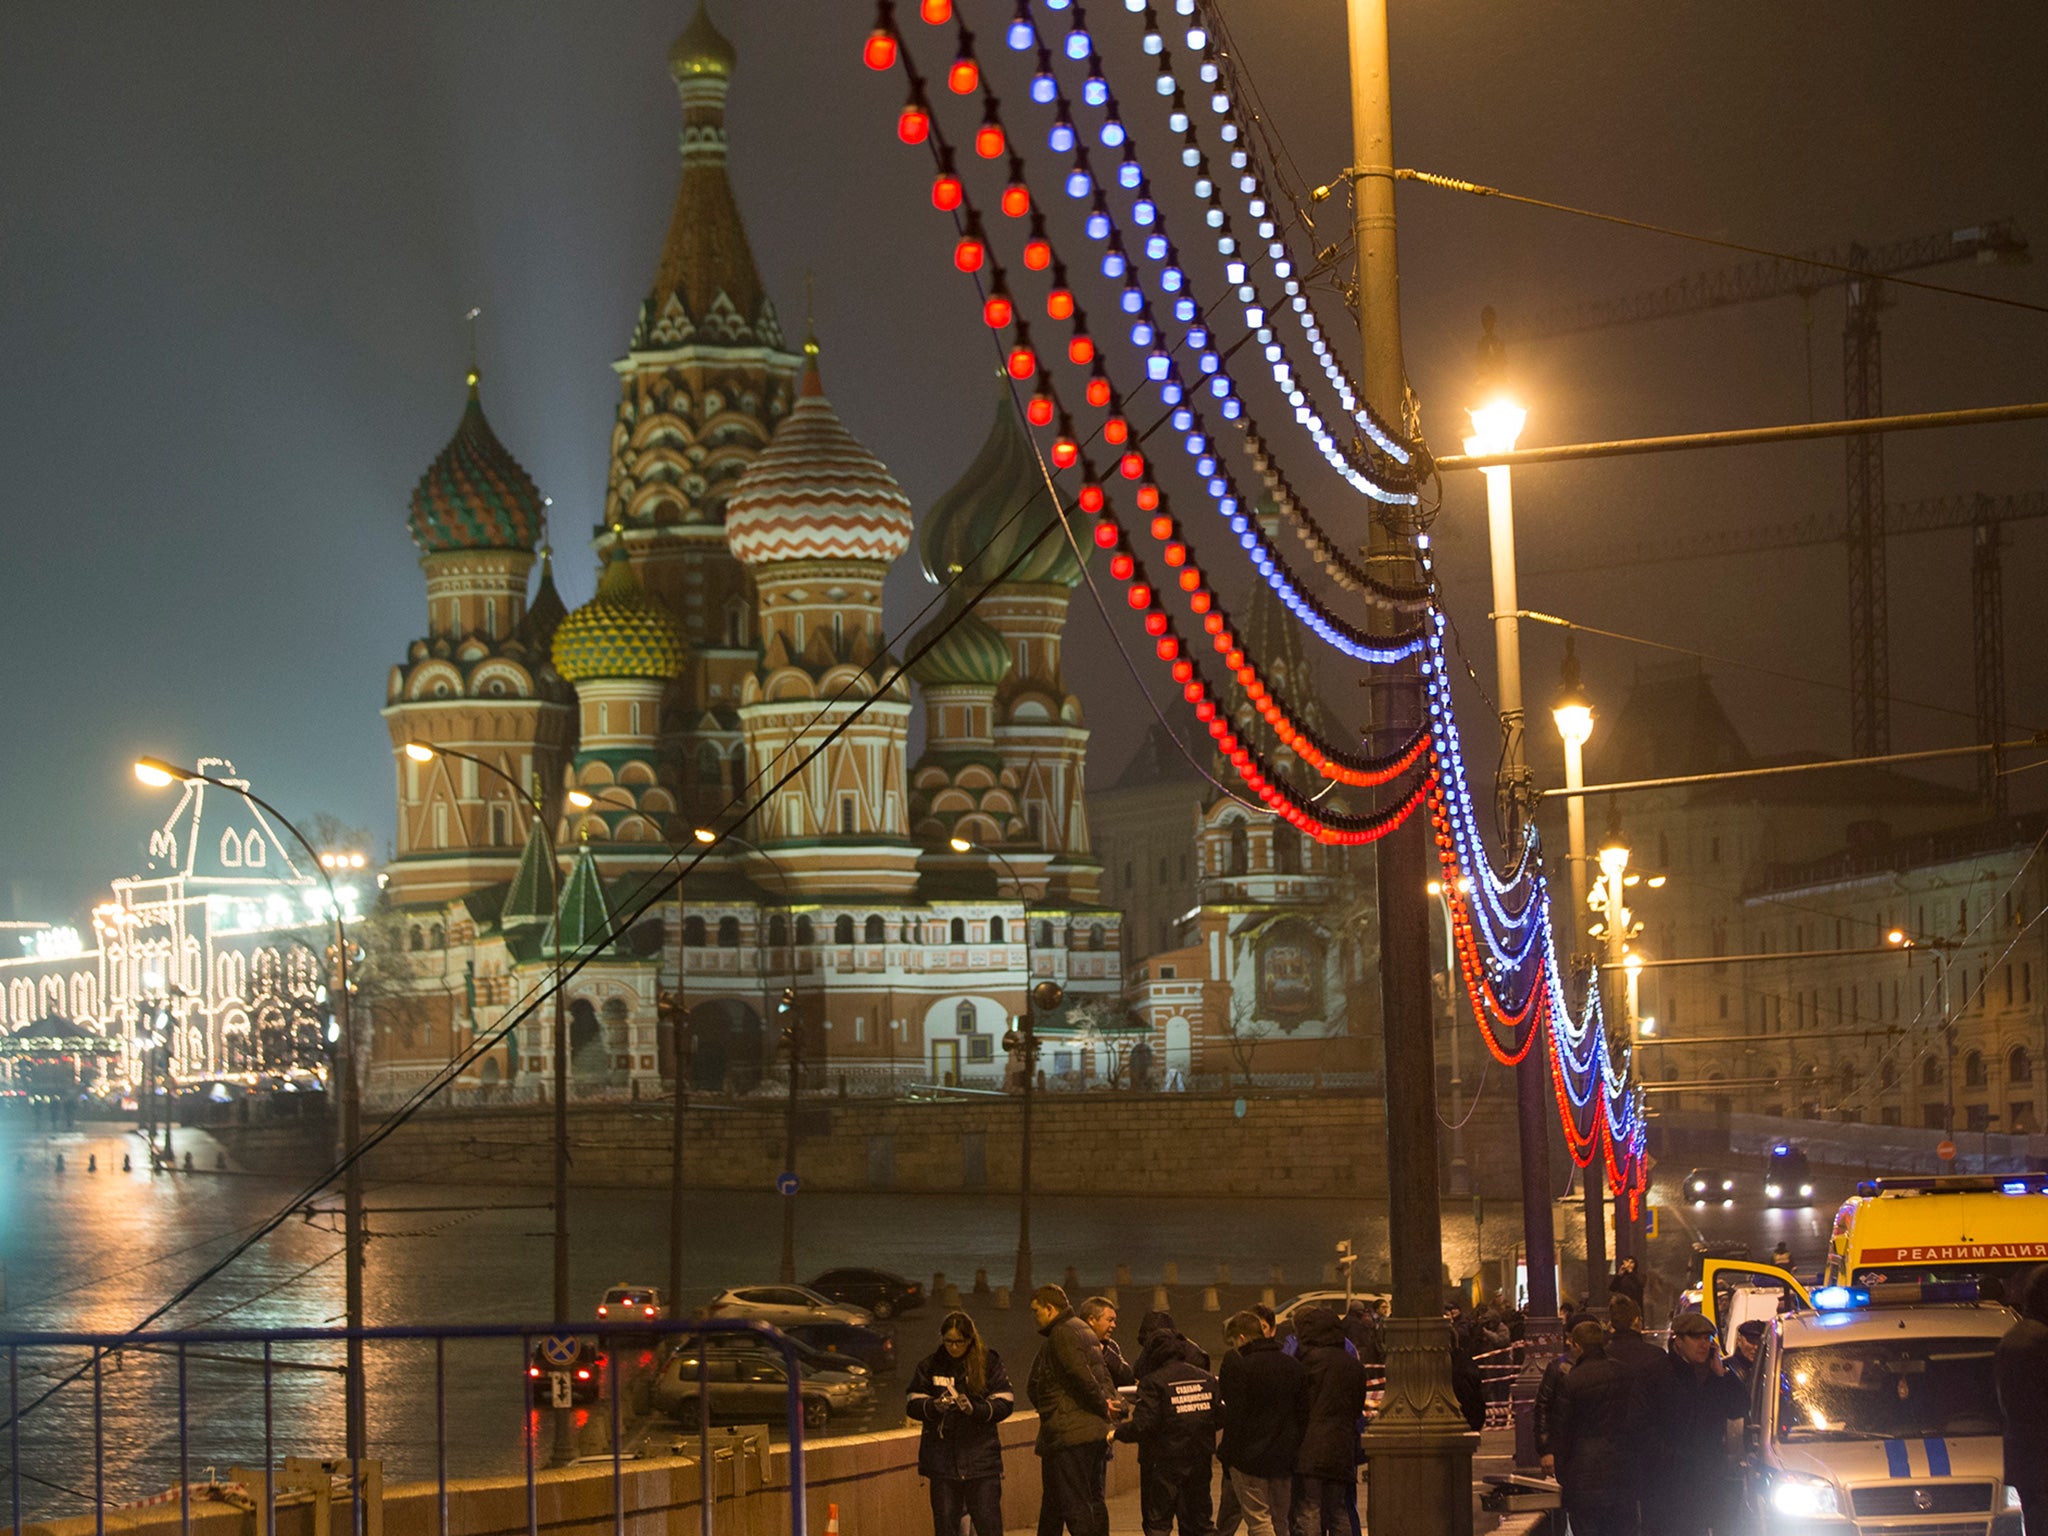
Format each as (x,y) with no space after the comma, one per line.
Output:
(1282,1415)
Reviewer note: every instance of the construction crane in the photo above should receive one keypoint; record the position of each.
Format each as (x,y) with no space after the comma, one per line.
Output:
(1985,517)
(1863,526)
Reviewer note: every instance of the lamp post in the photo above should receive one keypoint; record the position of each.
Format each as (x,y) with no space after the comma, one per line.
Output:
(1573,714)
(793,1048)
(1495,426)
(158,774)
(1461,1172)
(1615,929)
(1022,1043)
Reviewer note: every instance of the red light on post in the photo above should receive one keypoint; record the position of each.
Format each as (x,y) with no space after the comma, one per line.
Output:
(879,51)
(913,124)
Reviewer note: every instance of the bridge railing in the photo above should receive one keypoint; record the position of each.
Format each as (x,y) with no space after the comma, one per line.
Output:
(63,1388)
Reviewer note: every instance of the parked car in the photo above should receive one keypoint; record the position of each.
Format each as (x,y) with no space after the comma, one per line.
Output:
(1710,1186)
(1336,1301)
(811,1355)
(848,1341)
(586,1376)
(781,1305)
(632,1303)
(752,1384)
(881,1292)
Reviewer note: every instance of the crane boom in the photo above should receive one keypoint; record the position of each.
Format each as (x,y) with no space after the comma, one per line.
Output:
(1998,240)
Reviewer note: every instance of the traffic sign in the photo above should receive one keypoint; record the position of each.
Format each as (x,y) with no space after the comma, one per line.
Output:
(560,1393)
(785,1184)
(560,1349)
(1946,1151)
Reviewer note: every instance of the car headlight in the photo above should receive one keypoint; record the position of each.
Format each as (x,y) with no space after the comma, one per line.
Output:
(1727,1183)
(1799,1495)
(1806,1191)
(1771,1190)
(2012,1497)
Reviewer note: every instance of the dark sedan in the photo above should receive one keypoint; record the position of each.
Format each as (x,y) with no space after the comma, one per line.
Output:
(871,1347)
(877,1290)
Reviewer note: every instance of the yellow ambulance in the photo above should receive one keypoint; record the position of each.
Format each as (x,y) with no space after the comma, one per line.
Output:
(1990,1226)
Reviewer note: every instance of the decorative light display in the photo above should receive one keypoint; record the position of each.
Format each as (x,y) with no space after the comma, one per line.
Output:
(1500,919)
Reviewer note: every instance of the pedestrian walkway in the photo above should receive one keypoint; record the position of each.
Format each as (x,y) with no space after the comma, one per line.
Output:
(1496,1455)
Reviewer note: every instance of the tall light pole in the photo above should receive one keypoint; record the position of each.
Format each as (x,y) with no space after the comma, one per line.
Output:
(1022,1044)
(1418,1448)
(1573,714)
(1495,425)
(1615,1012)
(793,1047)
(158,774)
(1461,1172)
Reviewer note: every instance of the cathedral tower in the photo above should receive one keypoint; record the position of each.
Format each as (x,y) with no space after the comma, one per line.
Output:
(818,520)
(480,680)
(702,387)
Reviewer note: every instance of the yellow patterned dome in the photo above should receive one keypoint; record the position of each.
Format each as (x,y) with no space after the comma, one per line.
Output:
(622,632)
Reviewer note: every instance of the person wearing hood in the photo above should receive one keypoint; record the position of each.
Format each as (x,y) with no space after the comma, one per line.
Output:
(960,1393)
(1173,1423)
(1326,1465)
(2021,1369)
(1072,1392)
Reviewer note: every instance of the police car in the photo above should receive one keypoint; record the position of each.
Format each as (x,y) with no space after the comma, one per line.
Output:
(1873,1412)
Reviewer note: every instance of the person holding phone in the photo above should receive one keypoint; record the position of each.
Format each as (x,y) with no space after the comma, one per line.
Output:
(960,1393)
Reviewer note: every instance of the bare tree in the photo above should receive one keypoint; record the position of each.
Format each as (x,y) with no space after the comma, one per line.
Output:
(1245,1030)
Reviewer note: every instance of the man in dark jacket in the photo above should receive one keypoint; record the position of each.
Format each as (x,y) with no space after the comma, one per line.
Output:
(1687,1483)
(1099,1313)
(1554,1373)
(1639,1359)
(2021,1366)
(1073,1394)
(1173,1424)
(1326,1466)
(1627,1281)
(1262,1391)
(1590,1437)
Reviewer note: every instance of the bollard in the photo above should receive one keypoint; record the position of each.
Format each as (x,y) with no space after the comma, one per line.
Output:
(938,1283)
(1002,1298)
(127,1163)
(188,1161)
(1170,1274)
(92,1162)
(981,1282)
(952,1298)
(1123,1274)
(1159,1302)
(1223,1274)
(1209,1301)
(1072,1284)
(1269,1297)
(60,1162)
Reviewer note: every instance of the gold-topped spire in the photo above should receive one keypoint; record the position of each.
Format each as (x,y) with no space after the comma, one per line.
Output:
(474,373)
(701,51)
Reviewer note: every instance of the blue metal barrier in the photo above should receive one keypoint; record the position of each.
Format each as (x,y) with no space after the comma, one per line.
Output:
(112,1348)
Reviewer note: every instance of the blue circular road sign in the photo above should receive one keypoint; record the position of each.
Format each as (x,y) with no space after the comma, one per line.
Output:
(785,1184)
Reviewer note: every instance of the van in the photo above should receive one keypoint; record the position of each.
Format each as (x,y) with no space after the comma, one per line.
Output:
(1958,1227)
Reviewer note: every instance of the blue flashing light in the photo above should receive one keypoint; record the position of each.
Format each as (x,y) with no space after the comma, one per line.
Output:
(1133,298)
(1044,89)
(1245,537)
(1197,39)
(2013,1187)
(1097,225)
(1095,90)
(1022,34)
(1840,1298)
(1213,217)
(1078,45)
(1780,1150)
(1195,442)
(1062,138)
(1079,182)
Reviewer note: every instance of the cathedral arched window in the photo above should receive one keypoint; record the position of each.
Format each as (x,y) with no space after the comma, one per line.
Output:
(877,931)
(1240,849)
(1096,934)
(419,940)
(736,622)
(995,930)
(437,937)
(842,928)
(778,931)
(964,1017)
(1286,851)
(959,930)
(805,933)
(1045,935)
(693,932)
(728,933)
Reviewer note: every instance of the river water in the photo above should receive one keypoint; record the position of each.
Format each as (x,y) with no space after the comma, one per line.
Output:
(101,1250)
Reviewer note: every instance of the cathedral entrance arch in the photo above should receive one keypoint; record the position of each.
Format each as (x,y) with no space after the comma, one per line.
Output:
(726,1047)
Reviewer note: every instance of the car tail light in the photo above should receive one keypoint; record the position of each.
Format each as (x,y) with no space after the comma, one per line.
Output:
(603,1311)
(533,1370)
(582,1375)
(650,1311)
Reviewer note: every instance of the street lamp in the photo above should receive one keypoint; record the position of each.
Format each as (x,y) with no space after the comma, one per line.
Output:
(1615,931)
(1022,1044)
(420,752)
(793,1047)
(158,774)
(1461,1173)
(1495,426)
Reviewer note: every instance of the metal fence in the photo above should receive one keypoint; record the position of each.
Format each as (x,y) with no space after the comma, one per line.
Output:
(144,1377)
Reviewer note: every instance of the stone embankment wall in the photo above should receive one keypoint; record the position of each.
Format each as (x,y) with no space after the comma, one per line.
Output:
(1303,1144)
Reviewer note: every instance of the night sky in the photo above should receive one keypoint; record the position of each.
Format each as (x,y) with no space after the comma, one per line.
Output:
(237,242)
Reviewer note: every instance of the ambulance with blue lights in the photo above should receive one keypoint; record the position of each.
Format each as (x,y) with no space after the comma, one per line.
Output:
(1874,1410)
(1989,1226)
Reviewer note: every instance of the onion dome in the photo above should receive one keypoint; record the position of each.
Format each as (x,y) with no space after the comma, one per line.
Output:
(475,495)
(970,652)
(994,510)
(814,493)
(701,50)
(622,632)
